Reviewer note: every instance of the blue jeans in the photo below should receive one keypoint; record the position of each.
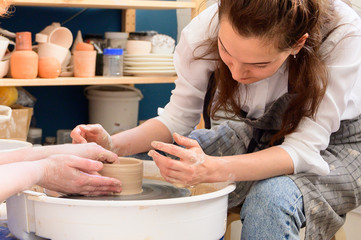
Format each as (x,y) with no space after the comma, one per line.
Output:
(273,209)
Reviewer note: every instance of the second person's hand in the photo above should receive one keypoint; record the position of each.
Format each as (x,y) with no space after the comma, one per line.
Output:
(72,174)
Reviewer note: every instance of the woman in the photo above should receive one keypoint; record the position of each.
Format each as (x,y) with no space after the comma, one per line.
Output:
(289,70)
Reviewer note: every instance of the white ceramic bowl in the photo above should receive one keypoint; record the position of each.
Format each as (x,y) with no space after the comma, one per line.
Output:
(7,145)
(55,34)
(4,68)
(138,47)
(4,43)
(52,50)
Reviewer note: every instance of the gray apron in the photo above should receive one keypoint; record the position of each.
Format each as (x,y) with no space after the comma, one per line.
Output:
(326,199)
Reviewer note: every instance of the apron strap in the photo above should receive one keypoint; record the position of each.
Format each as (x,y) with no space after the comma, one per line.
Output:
(207,99)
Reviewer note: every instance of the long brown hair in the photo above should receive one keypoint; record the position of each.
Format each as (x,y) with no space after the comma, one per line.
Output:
(282,22)
(4,8)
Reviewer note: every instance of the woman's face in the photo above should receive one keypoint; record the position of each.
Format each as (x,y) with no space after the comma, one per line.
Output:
(248,58)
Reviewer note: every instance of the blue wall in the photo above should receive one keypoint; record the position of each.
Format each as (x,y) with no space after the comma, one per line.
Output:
(66,106)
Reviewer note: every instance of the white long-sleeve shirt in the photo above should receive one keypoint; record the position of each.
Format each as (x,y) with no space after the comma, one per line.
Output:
(341,101)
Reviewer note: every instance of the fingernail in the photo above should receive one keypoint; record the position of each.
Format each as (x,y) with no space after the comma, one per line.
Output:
(157,144)
(150,153)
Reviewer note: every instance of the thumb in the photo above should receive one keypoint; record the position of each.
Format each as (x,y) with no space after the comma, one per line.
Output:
(184,141)
(108,157)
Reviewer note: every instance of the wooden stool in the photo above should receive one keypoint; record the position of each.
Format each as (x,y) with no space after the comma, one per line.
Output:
(233,215)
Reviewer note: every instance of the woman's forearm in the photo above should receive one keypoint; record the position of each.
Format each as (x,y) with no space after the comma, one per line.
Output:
(138,139)
(267,163)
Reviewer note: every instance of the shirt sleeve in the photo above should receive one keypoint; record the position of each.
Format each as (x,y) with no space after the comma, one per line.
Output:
(184,109)
(340,102)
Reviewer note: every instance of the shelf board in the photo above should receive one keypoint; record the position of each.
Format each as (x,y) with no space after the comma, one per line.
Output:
(67,81)
(110,4)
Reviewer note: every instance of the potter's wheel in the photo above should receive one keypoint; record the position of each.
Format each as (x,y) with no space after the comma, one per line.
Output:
(152,189)
(198,217)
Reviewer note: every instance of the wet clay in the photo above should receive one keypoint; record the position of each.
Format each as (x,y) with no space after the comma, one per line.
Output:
(201,189)
(129,171)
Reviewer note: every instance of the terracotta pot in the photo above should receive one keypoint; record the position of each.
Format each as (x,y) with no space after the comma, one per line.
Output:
(49,67)
(129,171)
(84,63)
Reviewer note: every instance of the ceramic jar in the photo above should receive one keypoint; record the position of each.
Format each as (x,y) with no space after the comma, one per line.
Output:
(129,171)
(84,60)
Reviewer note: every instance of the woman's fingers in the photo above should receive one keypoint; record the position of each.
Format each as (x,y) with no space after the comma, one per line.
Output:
(164,163)
(77,135)
(172,170)
(192,155)
(86,133)
(91,129)
(169,148)
(191,167)
(183,154)
(96,133)
(184,141)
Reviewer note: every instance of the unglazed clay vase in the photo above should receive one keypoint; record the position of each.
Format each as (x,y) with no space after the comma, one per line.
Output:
(129,171)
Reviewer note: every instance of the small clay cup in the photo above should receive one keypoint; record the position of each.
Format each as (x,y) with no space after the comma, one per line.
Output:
(84,63)
(129,172)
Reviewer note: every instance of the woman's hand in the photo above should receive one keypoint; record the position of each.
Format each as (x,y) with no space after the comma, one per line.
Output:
(92,133)
(193,167)
(72,174)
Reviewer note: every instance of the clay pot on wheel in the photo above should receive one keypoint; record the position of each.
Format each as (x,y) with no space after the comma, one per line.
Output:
(129,171)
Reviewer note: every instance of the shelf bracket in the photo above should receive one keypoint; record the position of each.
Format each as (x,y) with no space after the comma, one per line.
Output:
(200,6)
(128,20)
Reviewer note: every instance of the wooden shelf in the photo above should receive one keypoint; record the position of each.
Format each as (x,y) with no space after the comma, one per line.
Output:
(128,5)
(109,4)
(67,81)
